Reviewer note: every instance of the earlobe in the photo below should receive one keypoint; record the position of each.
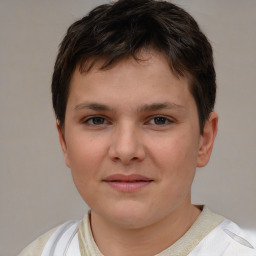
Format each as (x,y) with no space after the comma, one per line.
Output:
(207,140)
(62,142)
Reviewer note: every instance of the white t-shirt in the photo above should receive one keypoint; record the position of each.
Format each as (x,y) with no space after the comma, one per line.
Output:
(210,235)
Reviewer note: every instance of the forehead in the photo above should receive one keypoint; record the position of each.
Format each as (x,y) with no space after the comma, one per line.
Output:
(144,57)
(146,81)
(149,60)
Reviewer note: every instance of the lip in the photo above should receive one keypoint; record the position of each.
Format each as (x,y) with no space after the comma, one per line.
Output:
(127,183)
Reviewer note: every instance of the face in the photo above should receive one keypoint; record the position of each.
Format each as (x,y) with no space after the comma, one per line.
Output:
(132,140)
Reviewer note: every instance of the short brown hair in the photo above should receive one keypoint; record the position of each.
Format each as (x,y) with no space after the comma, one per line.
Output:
(111,32)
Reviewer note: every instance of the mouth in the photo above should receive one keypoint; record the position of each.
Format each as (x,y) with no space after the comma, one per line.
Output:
(127,183)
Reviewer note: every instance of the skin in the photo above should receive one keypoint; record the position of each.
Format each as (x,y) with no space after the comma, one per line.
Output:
(135,118)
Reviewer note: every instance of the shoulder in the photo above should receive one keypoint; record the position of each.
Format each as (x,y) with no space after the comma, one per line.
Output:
(60,240)
(244,237)
(227,239)
(37,246)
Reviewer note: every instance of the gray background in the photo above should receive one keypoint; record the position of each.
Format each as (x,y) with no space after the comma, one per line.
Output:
(36,189)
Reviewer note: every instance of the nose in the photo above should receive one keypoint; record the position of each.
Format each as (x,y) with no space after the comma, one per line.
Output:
(126,145)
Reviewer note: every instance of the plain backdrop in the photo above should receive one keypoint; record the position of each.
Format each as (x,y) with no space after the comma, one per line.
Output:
(36,189)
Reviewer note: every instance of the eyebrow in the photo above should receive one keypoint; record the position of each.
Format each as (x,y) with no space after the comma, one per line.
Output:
(92,106)
(159,106)
(144,108)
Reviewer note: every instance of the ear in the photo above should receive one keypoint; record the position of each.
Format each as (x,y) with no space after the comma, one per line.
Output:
(207,139)
(63,143)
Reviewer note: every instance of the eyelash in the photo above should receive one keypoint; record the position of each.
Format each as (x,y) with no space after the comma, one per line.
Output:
(90,121)
(162,118)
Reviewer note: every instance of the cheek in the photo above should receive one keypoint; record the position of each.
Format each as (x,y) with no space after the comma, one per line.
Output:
(177,152)
(176,159)
(85,168)
(85,156)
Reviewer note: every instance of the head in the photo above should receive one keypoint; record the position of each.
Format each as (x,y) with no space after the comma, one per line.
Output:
(133,91)
(113,32)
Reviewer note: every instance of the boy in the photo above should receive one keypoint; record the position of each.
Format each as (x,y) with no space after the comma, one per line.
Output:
(133,91)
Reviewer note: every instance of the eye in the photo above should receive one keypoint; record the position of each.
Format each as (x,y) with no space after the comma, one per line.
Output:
(160,120)
(95,120)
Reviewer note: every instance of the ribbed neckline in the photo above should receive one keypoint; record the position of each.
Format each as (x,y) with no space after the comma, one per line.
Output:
(204,224)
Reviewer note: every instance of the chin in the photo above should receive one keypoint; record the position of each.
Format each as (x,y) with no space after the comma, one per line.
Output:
(129,215)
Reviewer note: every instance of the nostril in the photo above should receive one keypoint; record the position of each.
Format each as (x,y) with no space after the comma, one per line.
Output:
(126,147)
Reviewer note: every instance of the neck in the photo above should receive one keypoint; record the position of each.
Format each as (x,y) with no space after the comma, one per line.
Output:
(114,240)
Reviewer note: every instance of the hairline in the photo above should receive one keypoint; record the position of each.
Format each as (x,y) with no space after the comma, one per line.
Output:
(85,66)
